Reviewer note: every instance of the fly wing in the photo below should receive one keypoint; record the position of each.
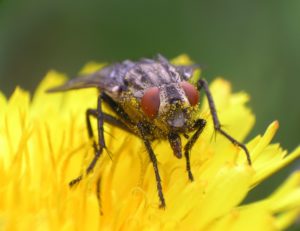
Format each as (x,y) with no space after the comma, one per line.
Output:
(109,79)
(186,72)
(99,79)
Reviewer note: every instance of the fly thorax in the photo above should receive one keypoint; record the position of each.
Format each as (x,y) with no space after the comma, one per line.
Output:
(170,96)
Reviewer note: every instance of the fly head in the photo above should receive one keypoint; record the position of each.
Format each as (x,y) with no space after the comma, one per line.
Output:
(171,106)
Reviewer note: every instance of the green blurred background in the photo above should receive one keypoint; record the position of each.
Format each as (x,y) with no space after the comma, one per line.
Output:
(254,44)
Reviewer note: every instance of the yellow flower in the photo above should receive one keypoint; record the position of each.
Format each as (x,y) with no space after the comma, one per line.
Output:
(44,145)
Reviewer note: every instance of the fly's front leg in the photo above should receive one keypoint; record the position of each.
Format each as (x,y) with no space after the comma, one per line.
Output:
(101,142)
(200,124)
(203,84)
(154,162)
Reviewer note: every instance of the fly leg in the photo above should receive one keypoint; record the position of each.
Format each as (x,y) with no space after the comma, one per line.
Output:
(98,192)
(91,112)
(154,163)
(203,84)
(101,118)
(143,131)
(200,124)
(108,119)
(101,143)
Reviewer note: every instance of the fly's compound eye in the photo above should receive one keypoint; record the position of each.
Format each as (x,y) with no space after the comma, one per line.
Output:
(150,102)
(190,92)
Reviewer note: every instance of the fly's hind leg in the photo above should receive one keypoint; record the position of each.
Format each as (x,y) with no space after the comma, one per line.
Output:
(203,84)
(101,117)
(101,142)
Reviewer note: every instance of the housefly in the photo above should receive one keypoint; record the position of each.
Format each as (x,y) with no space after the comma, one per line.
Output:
(153,99)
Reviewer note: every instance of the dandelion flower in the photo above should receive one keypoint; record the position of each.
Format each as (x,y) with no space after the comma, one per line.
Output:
(44,145)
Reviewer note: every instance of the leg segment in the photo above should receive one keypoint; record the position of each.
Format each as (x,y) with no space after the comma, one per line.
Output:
(98,191)
(187,148)
(154,162)
(88,114)
(108,119)
(203,84)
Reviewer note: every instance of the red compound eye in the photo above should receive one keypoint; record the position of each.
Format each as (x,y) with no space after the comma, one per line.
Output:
(150,102)
(190,92)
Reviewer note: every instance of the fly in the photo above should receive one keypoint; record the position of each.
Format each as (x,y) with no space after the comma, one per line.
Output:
(153,99)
